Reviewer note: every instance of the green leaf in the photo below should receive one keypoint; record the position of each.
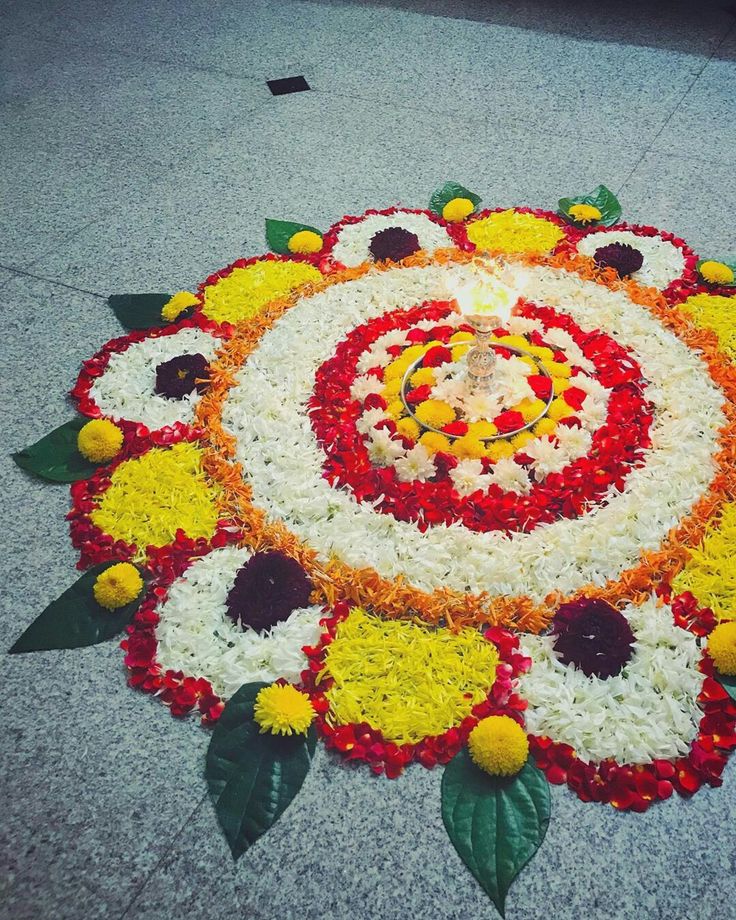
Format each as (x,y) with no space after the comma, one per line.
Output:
(56,457)
(279,232)
(253,777)
(728,684)
(731,265)
(603,199)
(75,619)
(496,824)
(449,191)
(140,311)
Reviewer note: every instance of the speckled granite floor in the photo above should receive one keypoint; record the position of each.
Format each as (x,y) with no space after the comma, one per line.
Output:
(140,149)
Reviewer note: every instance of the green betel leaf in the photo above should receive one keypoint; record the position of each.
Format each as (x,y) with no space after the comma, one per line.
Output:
(252,777)
(603,199)
(449,191)
(496,824)
(75,619)
(728,684)
(139,311)
(279,232)
(56,457)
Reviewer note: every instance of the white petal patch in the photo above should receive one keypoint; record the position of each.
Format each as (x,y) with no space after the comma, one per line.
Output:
(126,389)
(195,635)
(646,712)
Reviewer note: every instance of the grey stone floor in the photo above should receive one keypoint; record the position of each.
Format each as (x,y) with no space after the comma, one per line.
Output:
(140,149)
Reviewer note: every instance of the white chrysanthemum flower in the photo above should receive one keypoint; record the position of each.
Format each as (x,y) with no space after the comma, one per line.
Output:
(450,390)
(561,339)
(416,464)
(663,261)
(545,457)
(195,635)
(125,390)
(363,387)
(522,325)
(479,407)
(354,240)
(382,448)
(369,419)
(468,477)
(378,358)
(649,711)
(573,442)
(510,476)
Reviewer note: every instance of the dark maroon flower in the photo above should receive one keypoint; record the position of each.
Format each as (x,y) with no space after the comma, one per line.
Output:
(624,258)
(393,244)
(593,636)
(180,376)
(266,590)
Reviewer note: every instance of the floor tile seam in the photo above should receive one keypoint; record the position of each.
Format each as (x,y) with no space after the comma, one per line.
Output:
(650,148)
(22,273)
(164,856)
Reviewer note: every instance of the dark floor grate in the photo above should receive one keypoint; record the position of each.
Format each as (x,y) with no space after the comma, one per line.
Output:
(287,85)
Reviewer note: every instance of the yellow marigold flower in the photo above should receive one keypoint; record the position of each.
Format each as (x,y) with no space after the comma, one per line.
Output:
(396,369)
(435,413)
(499,450)
(559,409)
(514,341)
(560,384)
(519,441)
(283,710)
(408,428)
(412,353)
(541,352)
(468,448)
(395,409)
(117,586)
(435,443)
(557,368)
(530,408)
(544,426)
(305,241)
(716,272)
(99,440)
(722,648)
(423,377)
(177,304)
(461,336)
(459,352)
(498,745)
(392,389)
(584,213)
(458,209)
(482,429)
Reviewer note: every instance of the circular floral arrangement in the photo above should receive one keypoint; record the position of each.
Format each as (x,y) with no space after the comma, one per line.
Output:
(312,520)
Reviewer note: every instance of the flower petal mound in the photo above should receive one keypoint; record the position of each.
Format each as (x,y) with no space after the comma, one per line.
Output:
(245,291)
(406,680)
(152,496)
(498,745)
(515,231)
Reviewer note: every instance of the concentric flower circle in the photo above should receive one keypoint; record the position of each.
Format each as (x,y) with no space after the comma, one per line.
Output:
(453,569)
